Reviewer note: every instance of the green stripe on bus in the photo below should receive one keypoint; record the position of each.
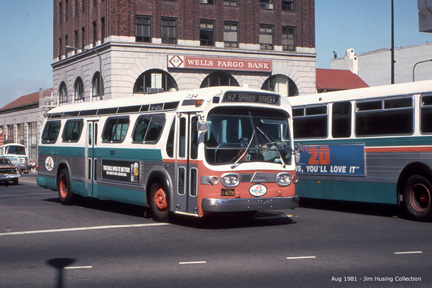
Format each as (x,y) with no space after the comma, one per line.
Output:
(133,154)
(384,193)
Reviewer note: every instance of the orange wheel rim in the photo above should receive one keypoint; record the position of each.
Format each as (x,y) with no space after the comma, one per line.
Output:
(63,187)
(160,200)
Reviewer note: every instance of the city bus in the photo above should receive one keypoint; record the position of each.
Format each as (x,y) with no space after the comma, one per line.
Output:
(220,149)
(16,153)
(368,145)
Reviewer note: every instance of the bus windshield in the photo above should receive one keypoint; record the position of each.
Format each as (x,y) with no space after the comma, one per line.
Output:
(15,150)
(239,135)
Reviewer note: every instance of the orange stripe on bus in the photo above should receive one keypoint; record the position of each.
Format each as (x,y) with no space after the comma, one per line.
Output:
(398,149)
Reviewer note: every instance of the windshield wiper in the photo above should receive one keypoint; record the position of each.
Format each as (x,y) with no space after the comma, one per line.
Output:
(245,151)
(270,141)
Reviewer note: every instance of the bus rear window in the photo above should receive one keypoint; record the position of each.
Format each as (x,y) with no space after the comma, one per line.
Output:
(51,132)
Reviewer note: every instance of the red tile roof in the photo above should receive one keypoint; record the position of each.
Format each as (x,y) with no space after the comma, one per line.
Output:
(334,80)
(27,100)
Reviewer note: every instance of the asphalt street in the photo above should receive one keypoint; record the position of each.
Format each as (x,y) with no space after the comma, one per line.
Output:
(106,244)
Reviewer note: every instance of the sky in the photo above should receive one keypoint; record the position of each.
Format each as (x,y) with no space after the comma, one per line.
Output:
(26,37)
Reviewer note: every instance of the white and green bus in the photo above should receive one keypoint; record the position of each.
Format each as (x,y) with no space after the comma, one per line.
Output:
(368,145)
(220,149)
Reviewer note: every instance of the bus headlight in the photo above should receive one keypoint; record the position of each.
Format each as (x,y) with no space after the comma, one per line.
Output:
(230,180)
(284,179)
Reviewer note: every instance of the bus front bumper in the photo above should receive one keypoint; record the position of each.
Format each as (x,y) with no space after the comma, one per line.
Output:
(251,204)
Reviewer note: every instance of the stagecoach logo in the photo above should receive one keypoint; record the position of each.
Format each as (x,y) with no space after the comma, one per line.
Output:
(49,163)
(258,190)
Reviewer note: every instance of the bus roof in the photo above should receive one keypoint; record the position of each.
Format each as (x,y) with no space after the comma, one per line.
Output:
(154,102)
(364,93)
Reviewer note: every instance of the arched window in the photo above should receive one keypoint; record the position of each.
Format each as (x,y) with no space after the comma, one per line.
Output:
(79,90)
(219,79)
(154,81)
(97,85)
(281,84)
(63,98)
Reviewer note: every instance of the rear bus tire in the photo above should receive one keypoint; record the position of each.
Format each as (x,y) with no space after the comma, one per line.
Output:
(64,187)
(159,202)
(417,197)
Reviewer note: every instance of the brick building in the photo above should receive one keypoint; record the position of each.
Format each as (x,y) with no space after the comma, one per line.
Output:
(114,48)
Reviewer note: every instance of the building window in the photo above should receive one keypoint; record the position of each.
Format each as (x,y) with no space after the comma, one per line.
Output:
(60,13)
(94,33)
(153,81)
(210,2)
(169,31)
(76,38)
(231,35)
(66,10)
(266,4)
(102,29)
(60,48)
(142,29)
(232,3)
(287,5)
(83,6)
(288,39)
(82,38)
(32,130)
(63,93)
(97,85)
(281,84)
(78,90)
(207,33)
(219,79)
(66,44)
(76,8)
(266,37)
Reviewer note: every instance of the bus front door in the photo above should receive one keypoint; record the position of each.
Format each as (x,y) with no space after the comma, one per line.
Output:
(186,194)
(90,158)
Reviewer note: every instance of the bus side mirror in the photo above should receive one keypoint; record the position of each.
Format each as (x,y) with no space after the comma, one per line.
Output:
(203,126)
(299,148)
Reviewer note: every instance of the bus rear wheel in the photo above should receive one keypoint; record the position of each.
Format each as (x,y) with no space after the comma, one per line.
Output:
(64,187)
(417,197)
(159,202)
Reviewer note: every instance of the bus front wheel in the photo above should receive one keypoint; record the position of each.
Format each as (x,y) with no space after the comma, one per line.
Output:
(159,202)
(417,197)
(64,187)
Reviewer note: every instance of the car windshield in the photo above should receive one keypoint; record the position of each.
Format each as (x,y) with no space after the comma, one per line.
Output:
(239,135)
(16,150)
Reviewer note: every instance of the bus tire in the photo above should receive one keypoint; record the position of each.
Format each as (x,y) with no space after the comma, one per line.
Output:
(417,197)
(159,202)
(64,187)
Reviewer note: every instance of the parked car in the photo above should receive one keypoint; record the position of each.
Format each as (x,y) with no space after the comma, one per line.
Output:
(8,171)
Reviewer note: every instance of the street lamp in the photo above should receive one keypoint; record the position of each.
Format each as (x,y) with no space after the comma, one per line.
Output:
(100,88)
(429,60)
(392,43)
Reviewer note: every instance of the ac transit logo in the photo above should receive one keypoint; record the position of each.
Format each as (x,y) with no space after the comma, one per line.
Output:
(258,190)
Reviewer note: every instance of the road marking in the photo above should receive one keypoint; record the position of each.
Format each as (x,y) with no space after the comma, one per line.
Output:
(192,262)
(78,267)
(82,229)
(408,252)
(301,257)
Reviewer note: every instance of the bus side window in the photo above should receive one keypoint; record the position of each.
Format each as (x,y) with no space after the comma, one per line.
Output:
(155,128)
(72,130)
(115,129)
(426,114)
(51,132)
(341,120)
(385,117)
(140,128)
(170,142)
(310,122)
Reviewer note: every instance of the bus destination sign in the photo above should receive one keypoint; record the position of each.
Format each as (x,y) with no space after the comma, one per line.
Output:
(248,97)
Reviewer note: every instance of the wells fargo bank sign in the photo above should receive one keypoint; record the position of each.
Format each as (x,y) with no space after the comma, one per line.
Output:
(191,62)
